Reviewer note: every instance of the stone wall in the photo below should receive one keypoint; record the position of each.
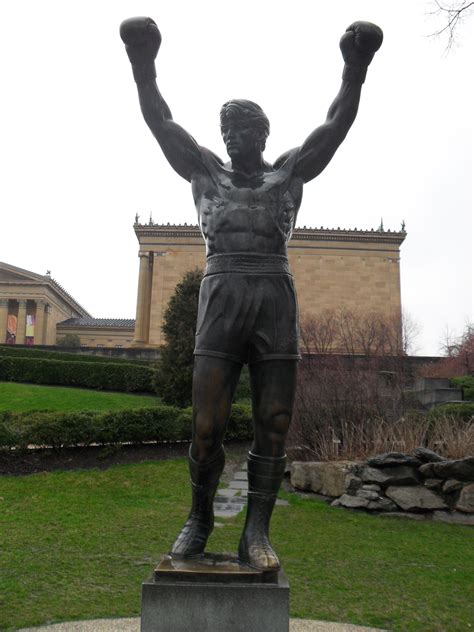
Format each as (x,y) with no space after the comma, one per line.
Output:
(420,485)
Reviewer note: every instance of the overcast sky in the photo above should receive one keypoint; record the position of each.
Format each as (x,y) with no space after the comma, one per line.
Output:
(78,161)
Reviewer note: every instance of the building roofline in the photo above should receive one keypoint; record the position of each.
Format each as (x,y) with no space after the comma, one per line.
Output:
(45,279)
(299,234)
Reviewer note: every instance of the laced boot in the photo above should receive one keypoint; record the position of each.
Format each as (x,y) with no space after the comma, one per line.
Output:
(265,475)
(193,537)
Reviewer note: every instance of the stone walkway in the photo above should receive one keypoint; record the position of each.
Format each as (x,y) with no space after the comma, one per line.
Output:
(133,625)
(230,501)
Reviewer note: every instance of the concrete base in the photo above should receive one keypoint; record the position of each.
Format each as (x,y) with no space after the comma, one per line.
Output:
(214,593)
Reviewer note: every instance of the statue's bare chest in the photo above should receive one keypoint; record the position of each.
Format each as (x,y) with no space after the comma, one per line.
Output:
(242,213)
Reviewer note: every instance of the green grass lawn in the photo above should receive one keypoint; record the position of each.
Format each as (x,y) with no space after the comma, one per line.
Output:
(24,397)
(77,545)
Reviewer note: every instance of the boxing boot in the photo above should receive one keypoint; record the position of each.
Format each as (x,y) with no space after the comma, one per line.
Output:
(265,475)
(193,537)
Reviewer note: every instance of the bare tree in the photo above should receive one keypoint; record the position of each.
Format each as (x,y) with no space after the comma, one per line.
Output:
(452,14)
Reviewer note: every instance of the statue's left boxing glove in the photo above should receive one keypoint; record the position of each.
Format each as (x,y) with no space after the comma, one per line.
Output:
(142,41)
(358,45)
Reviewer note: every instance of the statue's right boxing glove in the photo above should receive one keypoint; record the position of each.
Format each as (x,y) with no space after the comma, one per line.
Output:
(142,41)
(358,45)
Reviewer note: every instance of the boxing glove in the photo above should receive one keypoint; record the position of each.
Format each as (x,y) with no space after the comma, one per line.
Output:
(142,41)
(358,45)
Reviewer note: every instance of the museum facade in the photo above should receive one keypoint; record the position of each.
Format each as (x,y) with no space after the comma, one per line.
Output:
(332,268)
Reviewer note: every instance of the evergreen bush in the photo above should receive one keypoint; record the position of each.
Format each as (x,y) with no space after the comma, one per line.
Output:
(102,376)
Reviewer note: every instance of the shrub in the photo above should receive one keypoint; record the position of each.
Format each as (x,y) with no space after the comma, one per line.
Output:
(175,367)
(64,430)
(70,340)
(450,436)
(106,376)
(467,384)
(463,410)
(42,354)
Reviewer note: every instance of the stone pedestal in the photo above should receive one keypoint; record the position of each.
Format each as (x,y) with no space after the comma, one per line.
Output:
(214,593)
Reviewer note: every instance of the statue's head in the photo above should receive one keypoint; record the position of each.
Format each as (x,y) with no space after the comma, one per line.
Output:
(245,117)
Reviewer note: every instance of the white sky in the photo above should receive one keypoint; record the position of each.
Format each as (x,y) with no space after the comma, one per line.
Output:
(78,161)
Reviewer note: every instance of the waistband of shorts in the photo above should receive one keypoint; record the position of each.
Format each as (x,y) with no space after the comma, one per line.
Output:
(247,263)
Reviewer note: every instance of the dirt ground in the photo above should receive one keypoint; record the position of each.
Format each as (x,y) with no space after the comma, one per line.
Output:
(101,457)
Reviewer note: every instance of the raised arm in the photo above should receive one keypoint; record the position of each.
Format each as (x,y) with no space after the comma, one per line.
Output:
(142,41)
(358,46)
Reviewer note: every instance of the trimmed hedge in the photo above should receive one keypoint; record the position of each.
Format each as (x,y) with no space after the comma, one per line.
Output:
(464,411)
(101,375)
(41,354)
(66,430)
(466,382)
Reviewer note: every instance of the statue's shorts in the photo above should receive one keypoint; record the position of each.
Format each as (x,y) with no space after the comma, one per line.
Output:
(247,309)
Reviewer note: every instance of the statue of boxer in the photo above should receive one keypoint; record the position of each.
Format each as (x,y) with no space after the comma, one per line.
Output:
(248,313)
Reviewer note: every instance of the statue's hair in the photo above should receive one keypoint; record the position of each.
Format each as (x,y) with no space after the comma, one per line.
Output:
(247,113)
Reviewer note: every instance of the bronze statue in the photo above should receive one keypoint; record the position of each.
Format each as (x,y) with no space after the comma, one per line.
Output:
(248,313)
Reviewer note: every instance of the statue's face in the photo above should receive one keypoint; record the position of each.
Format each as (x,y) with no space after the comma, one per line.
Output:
(240,141)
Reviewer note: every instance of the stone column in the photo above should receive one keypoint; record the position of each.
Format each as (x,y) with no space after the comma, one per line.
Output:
(47,312)
(21,325)
(39,324)
(156,298)
(143,301)
(3,320)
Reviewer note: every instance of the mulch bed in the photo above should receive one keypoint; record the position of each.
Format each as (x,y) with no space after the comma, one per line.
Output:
(47,460)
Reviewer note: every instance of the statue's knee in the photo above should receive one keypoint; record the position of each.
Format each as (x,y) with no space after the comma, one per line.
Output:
(275,426)
(206,439)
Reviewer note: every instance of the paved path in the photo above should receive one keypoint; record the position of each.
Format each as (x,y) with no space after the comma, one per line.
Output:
(230,501)
(133,625)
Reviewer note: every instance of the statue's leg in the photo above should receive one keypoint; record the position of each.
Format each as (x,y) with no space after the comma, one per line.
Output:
(214,383)
(273,386)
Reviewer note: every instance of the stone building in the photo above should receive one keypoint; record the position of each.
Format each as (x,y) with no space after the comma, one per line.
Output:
(99,332)
(31,306)
(357,269)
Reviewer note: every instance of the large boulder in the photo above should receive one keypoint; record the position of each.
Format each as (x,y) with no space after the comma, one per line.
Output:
(415,498)
(399,475)
(391,459)
(466,499)
(461,469)
(327,478)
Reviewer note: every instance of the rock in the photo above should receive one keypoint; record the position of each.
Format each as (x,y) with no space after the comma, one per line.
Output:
(352,483)
(400,475)
(415,498)
(368,494)
(391,459)
(461,469)
(373,487)
(451,485)
(300,475)
(466,499)
(434,483)
(352,502)
(454,517)
(382,504)
(427,470)
(327,478)
(427,456)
